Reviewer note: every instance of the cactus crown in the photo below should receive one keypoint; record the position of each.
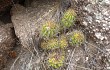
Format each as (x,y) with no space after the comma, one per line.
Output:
(55,43)
(56,60)
(76,38)
(49,29)
(68,18)
(63,42)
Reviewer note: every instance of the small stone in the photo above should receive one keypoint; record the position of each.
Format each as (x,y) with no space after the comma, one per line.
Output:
(107,1)
(104,25)
(107,28)
(98,21)
(99,36)
(108,68)
(99,16)
(88,8)
(105,38)
(106,13)
(86,58)
(68,50)
(85,23)
(89,18)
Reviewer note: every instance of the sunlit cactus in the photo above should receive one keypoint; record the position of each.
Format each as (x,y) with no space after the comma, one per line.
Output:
(68,18)
(56,60)
(76,38)
(55,43)
(49,29)
(63,42)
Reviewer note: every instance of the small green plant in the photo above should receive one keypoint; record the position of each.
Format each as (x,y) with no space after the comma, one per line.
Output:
(76,38)
(49,29)
(56,60)
(68,18)
(55,43)
(63,42)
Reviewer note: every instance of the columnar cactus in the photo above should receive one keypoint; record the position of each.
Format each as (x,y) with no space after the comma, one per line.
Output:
(56,60)
(68,18)
(55,43)
(76,38)
(49,29)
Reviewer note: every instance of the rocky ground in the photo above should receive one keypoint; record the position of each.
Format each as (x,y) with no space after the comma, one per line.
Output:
(22,52)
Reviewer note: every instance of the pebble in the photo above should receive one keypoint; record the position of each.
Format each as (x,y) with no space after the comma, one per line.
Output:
(99,36)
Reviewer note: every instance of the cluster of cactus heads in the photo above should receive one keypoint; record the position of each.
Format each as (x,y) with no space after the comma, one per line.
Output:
(68,18)
(53,42)
(49,29)
(56,59)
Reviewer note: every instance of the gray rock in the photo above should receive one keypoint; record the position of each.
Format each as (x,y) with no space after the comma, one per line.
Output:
(7,38)
(27,21)
(7,41)
(96,15)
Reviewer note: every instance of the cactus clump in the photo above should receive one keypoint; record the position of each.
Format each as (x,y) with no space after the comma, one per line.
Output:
(49,29)
(55,43)
(76,38)
(68,18)
(63,42)
(56,60)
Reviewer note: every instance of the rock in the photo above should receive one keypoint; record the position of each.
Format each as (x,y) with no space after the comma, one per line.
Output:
(95,15)
(3,60)
(7,41)
(27,61)
(27,21)
(7,38)
(76,59)
(4,4)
